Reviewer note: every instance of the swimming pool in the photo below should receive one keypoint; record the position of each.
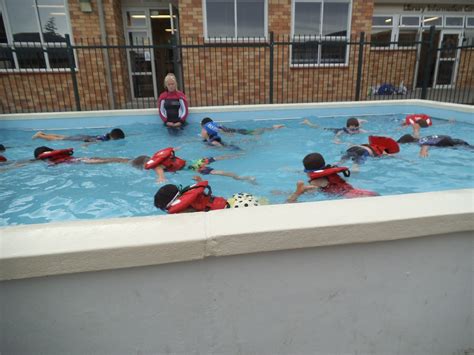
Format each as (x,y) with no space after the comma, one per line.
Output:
(39,193)
(301,267)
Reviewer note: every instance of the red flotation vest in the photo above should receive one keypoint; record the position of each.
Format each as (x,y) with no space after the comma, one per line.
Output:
(379,145)
(57,156)
(167,158)
(2,159)
(337,185)
(411,119)
(197,198)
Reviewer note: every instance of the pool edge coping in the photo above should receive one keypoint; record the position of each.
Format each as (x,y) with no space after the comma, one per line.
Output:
(84,246)
(237,108)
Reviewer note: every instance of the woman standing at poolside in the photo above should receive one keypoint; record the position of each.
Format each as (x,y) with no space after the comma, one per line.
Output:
(172,104)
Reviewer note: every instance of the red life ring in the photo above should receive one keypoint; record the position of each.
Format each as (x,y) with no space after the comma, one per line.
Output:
(159,157)
(57,156)
(316,174)
(383,144)
(412,119)
(187,198)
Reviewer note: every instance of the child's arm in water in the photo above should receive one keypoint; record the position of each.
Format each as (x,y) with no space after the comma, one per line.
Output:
(336,139)
(309,123)
(301,188)
(250,179)
(98,160)
(424,151)
(160,172)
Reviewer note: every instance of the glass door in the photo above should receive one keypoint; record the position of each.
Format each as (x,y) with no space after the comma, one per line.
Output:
(164,22)
(140,60)
(447,58)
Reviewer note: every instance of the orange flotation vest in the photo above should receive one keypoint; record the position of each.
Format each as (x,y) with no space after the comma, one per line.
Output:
(379,145)
(412,119)
(57,156)
(167,158)
(199,197)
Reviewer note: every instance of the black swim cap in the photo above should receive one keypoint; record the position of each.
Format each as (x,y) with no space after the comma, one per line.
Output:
(314,161)
(352,122)
(206,120)
(41,150)
(407,138)
(116,133)
(2,148)
(165,195)
(422,123)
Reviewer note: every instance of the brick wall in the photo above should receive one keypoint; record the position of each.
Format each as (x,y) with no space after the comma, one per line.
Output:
(241,76)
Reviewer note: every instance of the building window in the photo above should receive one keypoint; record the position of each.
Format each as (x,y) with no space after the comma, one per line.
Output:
(470,22)
(432,20)
(454,21)
(36,30)
(235,18)
(382,31)
(408,31)
(469,32)
(321,28)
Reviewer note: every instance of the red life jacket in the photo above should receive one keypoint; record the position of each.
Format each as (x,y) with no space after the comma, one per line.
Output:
(412,119)
(57,156)
(2,159)
(337,185)
(167,158)
(197,198)
(379,145)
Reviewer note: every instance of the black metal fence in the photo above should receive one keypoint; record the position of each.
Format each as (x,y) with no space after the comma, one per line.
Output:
(87,75)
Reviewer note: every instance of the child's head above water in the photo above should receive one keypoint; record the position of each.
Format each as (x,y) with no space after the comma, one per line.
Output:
(352,122)
(40,150)
(139,162)
(314,161)
(206,120)
(165,195)
(115,134)
(407,138)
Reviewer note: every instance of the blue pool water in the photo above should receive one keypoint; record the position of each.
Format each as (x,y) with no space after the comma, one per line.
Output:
(39,193)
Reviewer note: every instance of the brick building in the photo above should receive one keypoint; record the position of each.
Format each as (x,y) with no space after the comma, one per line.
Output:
(224,47)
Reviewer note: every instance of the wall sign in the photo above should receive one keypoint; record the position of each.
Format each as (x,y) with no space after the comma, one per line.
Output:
(437,7)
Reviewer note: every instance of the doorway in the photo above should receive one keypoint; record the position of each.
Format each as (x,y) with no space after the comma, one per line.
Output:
(164,29)
(147,67)
(444,60)
(447,58)
(423,58)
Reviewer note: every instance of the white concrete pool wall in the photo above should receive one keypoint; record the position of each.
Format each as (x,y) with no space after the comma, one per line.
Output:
(390,274)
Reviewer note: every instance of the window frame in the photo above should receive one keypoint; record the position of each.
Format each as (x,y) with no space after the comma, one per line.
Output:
(432,15)
(320,38)
(466,22)
(394,31)
(263,38)
(401,27)
(41,44)
(445,26)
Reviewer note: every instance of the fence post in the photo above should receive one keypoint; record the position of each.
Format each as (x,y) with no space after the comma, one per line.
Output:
(359,65)
(72,67)
(427,69)
(271,66)
(177,63)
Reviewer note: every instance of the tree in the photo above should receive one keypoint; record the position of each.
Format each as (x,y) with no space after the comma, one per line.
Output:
(50,26)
